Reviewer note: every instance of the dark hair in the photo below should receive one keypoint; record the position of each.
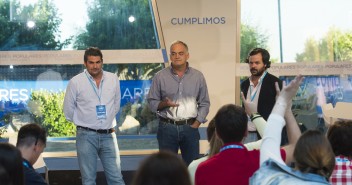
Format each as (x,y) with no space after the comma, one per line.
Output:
(340,137)
(162,168)
(11,160)
(231,123)
(211,129)
(265,55)
(30,134)
(313,154)
(179,42)
(4,176)
(92,51)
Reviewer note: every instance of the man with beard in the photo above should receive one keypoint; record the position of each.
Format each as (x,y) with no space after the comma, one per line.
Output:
(259,88)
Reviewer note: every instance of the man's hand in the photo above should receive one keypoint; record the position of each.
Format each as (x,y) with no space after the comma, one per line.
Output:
(167,103)
(170,103)
(195,124)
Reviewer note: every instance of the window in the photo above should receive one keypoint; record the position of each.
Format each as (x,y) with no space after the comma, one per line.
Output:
(41,50)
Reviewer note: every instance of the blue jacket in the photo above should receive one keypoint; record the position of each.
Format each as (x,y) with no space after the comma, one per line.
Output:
(277,174)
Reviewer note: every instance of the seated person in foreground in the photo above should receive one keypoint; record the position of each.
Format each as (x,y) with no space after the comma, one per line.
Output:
(215,142)
(31,141)
(313,156)
(235,164)
(340,137)
(162,168)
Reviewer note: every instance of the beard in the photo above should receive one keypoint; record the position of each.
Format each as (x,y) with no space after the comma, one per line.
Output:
(256,72)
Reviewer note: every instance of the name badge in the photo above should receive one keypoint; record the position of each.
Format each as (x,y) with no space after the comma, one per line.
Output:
(101,111)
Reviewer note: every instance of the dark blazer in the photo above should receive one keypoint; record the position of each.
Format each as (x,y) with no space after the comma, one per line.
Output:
(266,99)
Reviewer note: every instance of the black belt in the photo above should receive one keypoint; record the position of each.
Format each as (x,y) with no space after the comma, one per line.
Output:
(189,121)
(100,131)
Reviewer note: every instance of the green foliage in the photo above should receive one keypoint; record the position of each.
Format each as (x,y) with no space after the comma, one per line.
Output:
(334,46)
(47,109)
(15,35)
(2,131)
(251,38)
(109,28)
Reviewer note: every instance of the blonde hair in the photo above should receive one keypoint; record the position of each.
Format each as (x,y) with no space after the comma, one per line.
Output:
(215,145)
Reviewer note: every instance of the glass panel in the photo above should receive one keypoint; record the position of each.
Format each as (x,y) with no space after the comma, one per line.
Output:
(52,25)
(298,30)
(31,92)
(35,94)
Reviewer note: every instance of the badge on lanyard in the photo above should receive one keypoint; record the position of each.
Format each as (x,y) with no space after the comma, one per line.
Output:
(101,111)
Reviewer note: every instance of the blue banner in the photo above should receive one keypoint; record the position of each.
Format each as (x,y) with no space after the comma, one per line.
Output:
(15,94)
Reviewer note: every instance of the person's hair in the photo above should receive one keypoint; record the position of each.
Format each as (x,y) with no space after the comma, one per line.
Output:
(11,160)
(162,168)
(313,154)
(340,137)
(265,56)
(4,176)
(30,134)
(215,142)
(231,123)
(92,51)
(179,42)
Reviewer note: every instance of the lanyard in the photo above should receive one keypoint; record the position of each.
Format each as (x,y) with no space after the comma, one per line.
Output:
(25,164)
(230,147)
(341,160)
(260,83)
(95,89)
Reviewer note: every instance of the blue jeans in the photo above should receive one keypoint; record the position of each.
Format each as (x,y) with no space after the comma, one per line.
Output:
(91,145)
(184,137)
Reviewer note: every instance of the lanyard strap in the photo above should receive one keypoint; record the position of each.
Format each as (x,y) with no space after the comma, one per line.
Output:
(230,147)
(260,83)
(342,160)
(95,89)
(25,164)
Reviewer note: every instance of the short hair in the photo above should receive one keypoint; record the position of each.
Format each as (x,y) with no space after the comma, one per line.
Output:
(11,160)
(340,137)
(92,51)
(313,154)
(265,56)
(179,42)
(164,168)
(231,123)
(30,134)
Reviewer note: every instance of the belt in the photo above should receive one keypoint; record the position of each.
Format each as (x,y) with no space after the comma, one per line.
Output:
(100,131)
(180,122)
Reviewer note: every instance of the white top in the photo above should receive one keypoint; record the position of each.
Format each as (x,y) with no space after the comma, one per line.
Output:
(82,97)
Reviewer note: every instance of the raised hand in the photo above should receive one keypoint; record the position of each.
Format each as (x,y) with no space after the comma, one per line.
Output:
(249,106)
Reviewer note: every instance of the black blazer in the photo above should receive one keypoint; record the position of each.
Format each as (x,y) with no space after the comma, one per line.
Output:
(267,94)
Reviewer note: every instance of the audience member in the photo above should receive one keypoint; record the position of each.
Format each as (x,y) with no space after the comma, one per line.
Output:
(4,177)
(340,137)
(313,156)
(11,162)
(162,168)
(235,164)
(31,141)
(215,142)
